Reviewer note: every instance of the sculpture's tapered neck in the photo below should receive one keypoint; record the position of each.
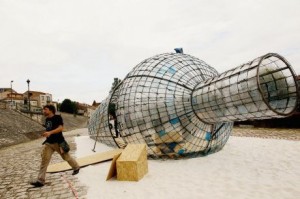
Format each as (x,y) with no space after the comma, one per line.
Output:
(261,89)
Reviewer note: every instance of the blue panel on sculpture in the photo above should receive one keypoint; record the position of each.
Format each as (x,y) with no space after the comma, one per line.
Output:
(174,121)
(207,136)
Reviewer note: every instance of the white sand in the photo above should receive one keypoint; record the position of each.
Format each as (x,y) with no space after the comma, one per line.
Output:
(245,168)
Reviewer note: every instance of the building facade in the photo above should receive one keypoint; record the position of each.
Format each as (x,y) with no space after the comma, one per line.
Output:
(41,98)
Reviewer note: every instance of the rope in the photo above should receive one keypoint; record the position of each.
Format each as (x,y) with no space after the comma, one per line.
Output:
(70,186)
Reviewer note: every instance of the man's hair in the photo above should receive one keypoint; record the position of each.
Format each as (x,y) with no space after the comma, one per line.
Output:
(50,107)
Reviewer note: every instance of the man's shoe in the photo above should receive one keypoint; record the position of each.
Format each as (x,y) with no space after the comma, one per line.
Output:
(75,172)
(37,184)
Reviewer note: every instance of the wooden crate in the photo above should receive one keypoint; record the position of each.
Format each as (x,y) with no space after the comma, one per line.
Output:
(132,164)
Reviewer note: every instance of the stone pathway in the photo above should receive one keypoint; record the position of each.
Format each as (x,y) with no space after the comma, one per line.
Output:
(20,163)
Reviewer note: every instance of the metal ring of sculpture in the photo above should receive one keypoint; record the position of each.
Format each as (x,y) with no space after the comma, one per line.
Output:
(179,106)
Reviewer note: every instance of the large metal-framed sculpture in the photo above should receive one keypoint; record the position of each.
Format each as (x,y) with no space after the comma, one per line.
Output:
(179,106)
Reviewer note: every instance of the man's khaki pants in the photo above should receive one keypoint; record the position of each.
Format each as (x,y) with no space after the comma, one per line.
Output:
(47,152)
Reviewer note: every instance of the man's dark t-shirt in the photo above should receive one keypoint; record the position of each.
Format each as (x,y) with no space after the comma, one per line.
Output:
(51,124)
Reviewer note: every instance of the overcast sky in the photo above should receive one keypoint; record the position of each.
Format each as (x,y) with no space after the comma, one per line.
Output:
(74,48)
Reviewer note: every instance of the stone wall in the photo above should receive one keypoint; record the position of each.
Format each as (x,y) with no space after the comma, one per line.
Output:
(17,127)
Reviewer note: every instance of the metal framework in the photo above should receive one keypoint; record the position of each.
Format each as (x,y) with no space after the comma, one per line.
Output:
(179,106)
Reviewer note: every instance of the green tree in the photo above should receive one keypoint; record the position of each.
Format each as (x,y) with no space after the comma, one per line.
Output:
(69,106)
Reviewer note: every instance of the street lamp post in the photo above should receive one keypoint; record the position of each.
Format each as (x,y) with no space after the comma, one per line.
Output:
(11,93)
(28,95)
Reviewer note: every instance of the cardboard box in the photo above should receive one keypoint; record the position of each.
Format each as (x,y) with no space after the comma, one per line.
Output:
(132,164)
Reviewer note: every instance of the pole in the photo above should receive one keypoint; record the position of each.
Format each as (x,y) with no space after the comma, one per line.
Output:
(28,94)
(97,135)
(11,93)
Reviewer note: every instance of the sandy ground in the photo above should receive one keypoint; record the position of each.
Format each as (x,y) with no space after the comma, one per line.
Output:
(247,167)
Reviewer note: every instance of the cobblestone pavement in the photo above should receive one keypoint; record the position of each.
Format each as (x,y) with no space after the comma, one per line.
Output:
(20,163)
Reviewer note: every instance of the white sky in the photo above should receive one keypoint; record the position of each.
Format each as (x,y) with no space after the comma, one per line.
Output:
(73,49)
